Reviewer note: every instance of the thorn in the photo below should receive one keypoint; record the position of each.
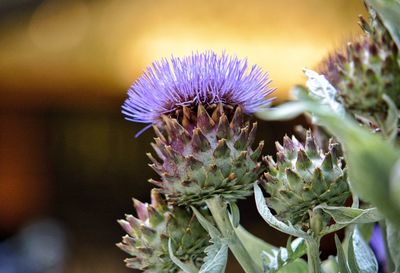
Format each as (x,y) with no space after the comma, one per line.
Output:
(252,135)
(204,121)
(311,146)
(156,182)
(193,163)
(156,199)
(279,147)
(217,113)
(241,141)
(159,134)
(187,123)
(152,159)
(141,209)
(223,130)
(303,162)
(237,120)
(327,164)
(257,152)
(222,149)
(199,141)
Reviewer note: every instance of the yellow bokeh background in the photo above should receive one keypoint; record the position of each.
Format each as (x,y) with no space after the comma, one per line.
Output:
(76,49)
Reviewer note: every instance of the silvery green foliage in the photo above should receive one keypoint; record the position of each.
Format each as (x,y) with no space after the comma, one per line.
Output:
(358,258)
(321,89)
(278,260)
(361,259)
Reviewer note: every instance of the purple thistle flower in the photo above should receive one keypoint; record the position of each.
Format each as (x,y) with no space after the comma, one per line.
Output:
(203,78)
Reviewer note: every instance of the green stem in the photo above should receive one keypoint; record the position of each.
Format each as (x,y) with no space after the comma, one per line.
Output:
(314,263)
(389,260)
(221,217)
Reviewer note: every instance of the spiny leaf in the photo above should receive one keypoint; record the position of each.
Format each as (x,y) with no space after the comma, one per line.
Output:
(216,259)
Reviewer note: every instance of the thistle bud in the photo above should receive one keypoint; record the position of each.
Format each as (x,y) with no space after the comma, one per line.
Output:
(365,71)
(301,179)
(148,235)
(199,109)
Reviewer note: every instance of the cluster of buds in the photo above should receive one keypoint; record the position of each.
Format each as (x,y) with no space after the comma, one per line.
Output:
(367,70)
(198,107)
(148,235)
(302,178)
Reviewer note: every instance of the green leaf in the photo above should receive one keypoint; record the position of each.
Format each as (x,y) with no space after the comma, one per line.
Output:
(330,265)
(321,89)
(347,215)
(271,219)
(360,257)
(390,126)
(216,259)
(395,183)
(342,261)
(287,111)
(279,259)
(187,268)
(235,214)
(393,239)
(297,266)
(366,230)
(210,228)
(389,12)
(254,245)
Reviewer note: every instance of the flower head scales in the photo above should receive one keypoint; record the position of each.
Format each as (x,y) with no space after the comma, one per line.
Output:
(202,78)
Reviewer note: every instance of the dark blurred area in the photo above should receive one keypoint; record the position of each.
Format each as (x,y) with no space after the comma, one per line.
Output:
(69,162)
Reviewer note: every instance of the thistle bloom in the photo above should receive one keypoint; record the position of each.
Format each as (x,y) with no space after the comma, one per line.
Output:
(197,105)
(198,79)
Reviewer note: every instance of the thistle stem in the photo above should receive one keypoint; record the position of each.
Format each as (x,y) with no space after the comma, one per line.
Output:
(314,263)
(221,217)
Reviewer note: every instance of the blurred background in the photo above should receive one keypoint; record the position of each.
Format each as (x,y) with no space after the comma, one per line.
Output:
(69,163)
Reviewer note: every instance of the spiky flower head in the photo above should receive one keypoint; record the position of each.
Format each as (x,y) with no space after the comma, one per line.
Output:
(202,78)
(148,234)
(365,71)
(302,178)
(197,106)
